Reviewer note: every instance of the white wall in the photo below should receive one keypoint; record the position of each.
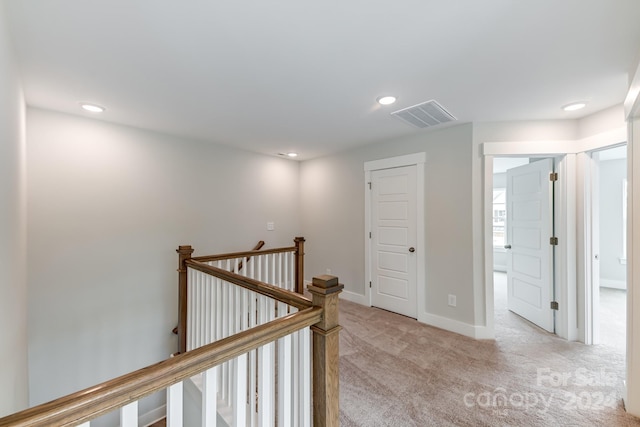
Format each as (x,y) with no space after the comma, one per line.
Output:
(612,272)
(332,213)
(601,122)
(13,285)
(108,206)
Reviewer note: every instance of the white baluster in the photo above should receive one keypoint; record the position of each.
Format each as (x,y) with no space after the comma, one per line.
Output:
(292,270)
(280,283)
(218,308)
(210,397)
(198,296)
(265,278)
(237,315)
(295,377)
(284,381)
(240,396)
(224,309)
(210,319)
(189,306)
(129,415)
(174,405)
(287,282)
(305,357)
(266,384)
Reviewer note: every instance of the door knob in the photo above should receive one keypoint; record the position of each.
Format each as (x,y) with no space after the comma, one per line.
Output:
(412,249)
(507,246)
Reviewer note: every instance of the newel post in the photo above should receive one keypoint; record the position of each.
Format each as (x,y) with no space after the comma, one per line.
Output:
(326,333)
(299,264)
(184,253)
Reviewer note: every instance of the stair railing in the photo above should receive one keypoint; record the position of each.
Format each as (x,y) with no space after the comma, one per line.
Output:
(304,379)
(281,267)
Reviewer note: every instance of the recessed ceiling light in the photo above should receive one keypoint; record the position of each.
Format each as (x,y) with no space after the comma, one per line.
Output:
(386,100)
(574,106)
(292,154)
(93,108)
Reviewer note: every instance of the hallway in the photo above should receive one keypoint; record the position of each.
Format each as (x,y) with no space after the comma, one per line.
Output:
(395,371)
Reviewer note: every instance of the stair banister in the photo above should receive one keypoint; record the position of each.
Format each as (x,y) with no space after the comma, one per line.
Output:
(82,406)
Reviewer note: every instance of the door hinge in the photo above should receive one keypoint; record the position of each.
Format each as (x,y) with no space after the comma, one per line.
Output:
(369,234)
(553,176)
(369,284)
(369,185)
(553,241)
(554,305)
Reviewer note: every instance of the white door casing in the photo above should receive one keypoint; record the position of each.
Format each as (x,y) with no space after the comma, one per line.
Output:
(417,160)
(593,299)
(393,240)
(529,229)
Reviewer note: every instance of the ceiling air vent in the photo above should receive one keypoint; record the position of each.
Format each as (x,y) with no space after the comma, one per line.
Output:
(424,115)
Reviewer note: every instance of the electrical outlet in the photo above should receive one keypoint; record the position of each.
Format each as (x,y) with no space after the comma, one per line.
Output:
(329,271)
(271,226)
(452,300)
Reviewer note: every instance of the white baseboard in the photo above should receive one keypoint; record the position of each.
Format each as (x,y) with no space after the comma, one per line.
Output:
(472,331)
(484,333)
(152,416)
(354,297)
(613,284)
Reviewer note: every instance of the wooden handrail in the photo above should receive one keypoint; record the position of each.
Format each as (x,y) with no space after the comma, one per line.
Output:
(275,292)
(92,402)
(232,255)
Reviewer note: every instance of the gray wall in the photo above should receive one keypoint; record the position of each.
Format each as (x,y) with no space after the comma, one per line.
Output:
(612,272)
(332,213)
(108,206)
(13,285)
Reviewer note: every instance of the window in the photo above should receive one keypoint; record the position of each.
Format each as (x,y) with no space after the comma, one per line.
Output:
(499,217)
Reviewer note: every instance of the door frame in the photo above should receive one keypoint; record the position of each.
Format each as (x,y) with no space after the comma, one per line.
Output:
(590,165)
(564,254)
(418,160)
(571,257)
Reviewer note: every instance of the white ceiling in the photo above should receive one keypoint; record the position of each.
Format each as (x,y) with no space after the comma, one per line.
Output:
(281,75)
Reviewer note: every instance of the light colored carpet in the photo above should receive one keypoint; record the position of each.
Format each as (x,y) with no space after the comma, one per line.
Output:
(395,371)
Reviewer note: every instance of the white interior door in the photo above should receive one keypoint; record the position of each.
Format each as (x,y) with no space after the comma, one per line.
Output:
(529,252)
(393,240)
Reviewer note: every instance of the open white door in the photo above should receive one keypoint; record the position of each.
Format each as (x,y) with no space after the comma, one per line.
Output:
(529,251)
(393,240)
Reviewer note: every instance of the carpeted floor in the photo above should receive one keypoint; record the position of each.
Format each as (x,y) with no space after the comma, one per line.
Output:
(395,371)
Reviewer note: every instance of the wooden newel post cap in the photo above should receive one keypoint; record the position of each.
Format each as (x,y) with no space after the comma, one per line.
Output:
(325,281)
(325,284)
(184,250)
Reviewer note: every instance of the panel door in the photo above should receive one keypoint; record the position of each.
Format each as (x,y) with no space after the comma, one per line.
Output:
(393,240)
(529,252)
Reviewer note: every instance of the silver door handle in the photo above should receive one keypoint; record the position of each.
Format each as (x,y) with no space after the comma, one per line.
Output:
(507,246)
(412,249)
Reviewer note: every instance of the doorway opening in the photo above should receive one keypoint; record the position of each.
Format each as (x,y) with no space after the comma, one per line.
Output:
(609,254)
(523,241)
